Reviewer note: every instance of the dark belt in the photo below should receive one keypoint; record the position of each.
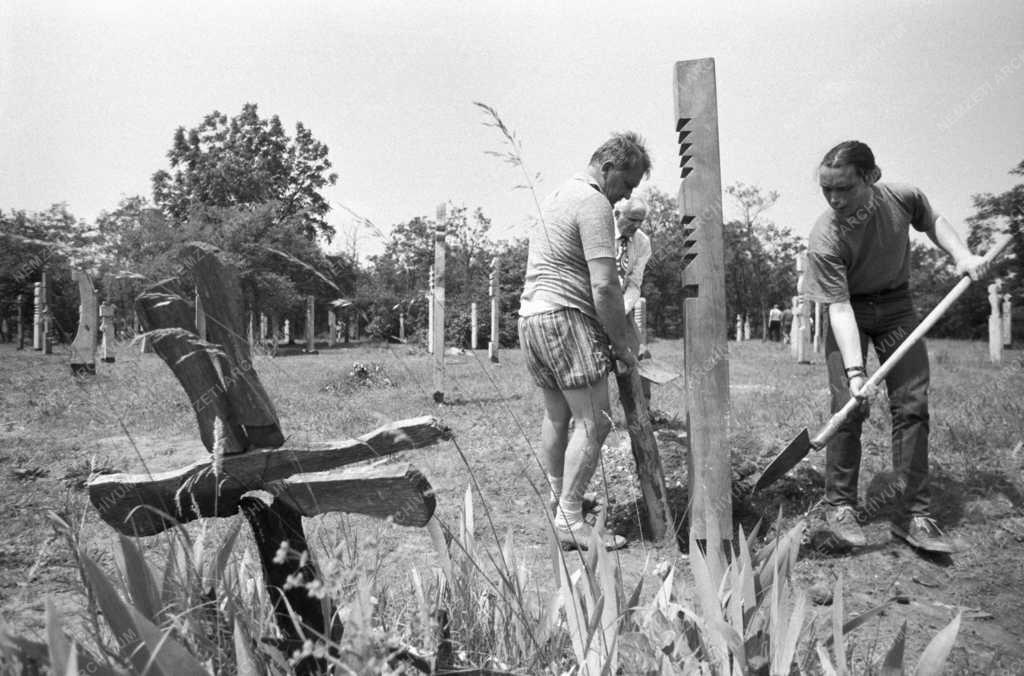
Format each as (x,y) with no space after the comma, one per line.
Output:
(880,296)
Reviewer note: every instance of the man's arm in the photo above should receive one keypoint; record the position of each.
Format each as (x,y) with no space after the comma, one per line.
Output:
(604,285)
(946,238)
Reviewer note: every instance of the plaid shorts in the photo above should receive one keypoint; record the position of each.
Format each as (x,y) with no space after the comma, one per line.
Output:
(564,349)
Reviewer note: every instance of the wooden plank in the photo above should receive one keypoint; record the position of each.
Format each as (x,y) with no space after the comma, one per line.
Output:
(437,328)
(656,371)
(129,502)
(218,287)
(706,356)
(397,492)
(645,454)
(174,338)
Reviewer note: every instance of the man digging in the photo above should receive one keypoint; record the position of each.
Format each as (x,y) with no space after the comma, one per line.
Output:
(858,262)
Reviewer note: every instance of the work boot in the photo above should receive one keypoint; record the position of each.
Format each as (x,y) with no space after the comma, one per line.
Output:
(842,522)
(923,533)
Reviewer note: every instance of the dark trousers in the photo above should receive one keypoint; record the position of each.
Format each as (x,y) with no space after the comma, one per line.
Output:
(774,331)
(886,319)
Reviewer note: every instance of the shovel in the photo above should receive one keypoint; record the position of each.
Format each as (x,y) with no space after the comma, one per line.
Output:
(804,444)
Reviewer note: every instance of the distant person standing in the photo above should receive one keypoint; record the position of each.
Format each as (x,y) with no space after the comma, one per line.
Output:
(775,324)
(572,325)
(787,324)
(859,263)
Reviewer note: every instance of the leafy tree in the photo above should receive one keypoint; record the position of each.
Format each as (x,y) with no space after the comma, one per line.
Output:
(247,160)
(662,285)
(1002,213)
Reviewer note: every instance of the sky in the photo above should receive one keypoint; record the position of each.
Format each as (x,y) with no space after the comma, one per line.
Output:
(91,93)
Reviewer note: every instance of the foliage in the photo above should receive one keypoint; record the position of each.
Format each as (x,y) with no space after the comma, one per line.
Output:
(247,161)
(1002,213)
(760,258)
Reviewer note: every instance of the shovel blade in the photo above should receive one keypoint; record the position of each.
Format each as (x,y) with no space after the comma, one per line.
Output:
(656,371)
(785,461)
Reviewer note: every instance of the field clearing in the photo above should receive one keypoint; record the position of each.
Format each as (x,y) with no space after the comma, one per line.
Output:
(134,416)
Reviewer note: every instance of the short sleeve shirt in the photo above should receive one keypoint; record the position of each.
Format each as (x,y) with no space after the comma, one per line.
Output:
(868,253)
(576,226)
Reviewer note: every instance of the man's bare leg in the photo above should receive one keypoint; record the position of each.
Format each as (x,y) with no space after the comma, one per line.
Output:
(588,408)
(554,436)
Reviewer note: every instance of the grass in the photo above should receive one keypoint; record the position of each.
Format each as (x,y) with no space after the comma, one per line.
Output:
(499,588)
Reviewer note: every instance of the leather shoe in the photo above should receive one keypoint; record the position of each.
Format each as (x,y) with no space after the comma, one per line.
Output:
(923,533)
(582,537)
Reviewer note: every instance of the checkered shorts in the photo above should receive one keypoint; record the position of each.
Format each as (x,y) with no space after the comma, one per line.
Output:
(564,349)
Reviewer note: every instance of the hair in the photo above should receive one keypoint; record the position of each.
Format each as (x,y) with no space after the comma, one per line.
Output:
(855,153)
(625,150)
(628,204)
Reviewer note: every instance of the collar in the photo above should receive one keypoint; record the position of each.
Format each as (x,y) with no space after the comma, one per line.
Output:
(589,180)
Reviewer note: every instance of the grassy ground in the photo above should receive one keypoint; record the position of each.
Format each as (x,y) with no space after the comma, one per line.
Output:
(134,416)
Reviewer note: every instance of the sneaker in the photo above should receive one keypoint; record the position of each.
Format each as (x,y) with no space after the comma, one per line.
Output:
(923,533)
(581,537)
(843,523)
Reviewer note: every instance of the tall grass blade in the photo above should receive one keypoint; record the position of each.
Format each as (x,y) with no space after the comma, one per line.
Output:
(166,655)
(850,625)
(56,641)
(826,664)
(893,664)
(934,656)
(227,546)
(138,577)
(245,658)
(441,547)
(117,615)
(788,645)
(839,647)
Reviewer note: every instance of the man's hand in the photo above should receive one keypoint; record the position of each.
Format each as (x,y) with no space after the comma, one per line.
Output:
(862,394)
(976,267)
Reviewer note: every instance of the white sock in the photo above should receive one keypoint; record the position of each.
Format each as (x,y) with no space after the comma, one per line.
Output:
(570,513)
(555,483)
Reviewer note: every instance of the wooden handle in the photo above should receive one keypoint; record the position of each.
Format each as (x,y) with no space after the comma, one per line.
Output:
(926,324)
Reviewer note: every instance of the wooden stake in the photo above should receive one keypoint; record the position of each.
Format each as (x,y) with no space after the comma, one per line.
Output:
(439,252)
(706,351)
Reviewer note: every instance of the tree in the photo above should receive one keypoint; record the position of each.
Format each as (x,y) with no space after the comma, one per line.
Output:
(760,257)
(663,285)
(247,161)
(1003,212)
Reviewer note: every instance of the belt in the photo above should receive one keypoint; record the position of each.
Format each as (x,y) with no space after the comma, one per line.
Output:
(880,296)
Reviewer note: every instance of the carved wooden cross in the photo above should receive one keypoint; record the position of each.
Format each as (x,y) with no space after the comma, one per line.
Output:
(250,468)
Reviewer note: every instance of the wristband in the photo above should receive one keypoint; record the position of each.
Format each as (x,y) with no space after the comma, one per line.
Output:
(854,371)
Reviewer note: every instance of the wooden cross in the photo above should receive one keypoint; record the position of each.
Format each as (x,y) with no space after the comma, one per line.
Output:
(706,354)
(250,469)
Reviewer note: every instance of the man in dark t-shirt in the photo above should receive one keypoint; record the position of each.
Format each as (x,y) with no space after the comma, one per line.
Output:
(859,264)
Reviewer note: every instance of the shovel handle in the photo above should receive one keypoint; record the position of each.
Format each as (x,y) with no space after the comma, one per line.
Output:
(832,426)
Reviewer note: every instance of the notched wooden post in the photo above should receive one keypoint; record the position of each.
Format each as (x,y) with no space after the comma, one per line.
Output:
(706,352)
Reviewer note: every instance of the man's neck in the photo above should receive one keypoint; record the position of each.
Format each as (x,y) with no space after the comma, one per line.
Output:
(594,172)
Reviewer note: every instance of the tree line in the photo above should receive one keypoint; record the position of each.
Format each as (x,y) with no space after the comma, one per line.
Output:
(246,186)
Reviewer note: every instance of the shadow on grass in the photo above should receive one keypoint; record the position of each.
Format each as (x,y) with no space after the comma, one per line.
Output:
(462,401)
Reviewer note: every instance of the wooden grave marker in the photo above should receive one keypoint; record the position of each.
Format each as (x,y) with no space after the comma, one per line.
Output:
(706,351)
(83,347)
(248,469)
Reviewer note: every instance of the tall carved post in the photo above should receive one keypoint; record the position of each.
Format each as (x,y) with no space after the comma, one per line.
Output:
(47,315)
(739,328)
(439,251)
(401,326)
(802,315)
(995,323)
(1007,320)
(310,325)
(21,321)
(430,312)
(263,328)
(287,331)
(107,311)
(817,327)
(706,352)
(473,327)
(332,326)
(37,316)
(83,347)
(494,291)
(746,328)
